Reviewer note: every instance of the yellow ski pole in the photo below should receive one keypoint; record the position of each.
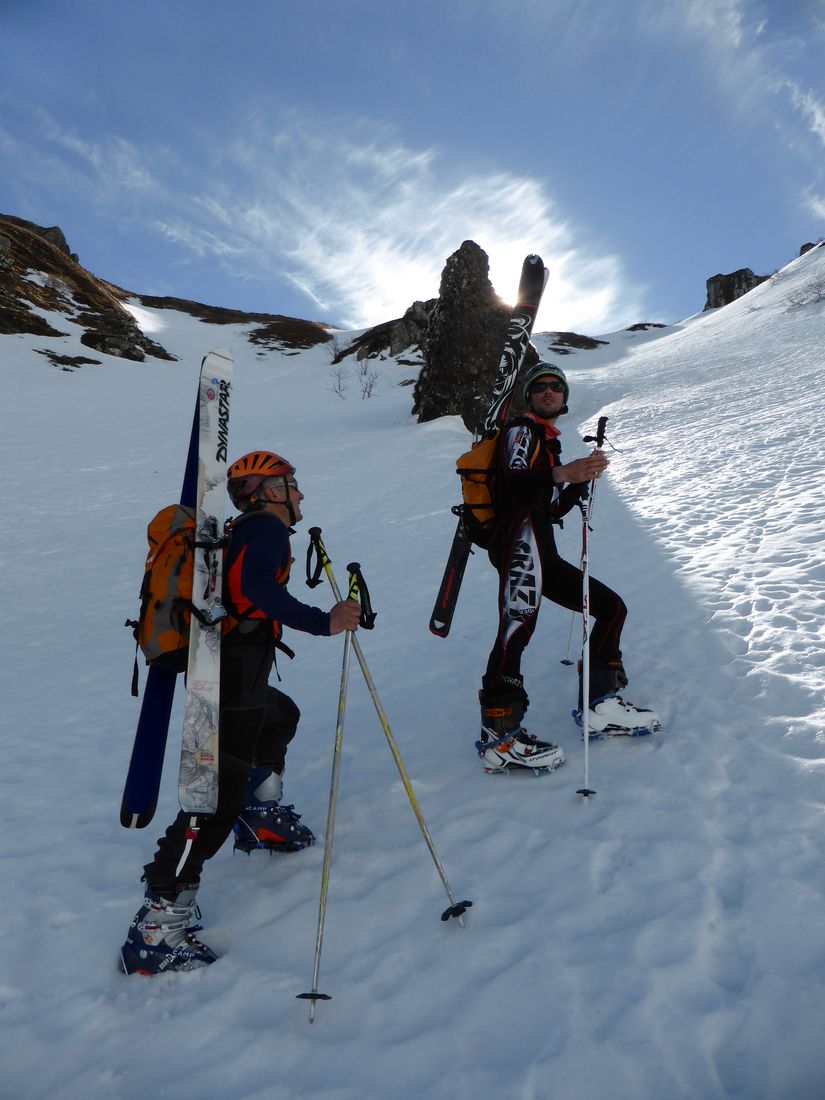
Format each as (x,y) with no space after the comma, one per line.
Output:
(456,909)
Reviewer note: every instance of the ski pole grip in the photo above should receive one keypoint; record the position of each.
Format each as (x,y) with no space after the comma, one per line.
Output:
(358,591)
(316,546)
(598,438)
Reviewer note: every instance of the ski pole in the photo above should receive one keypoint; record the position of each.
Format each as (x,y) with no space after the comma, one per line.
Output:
(314,995)
(566,659)
(316,545)
(585,791)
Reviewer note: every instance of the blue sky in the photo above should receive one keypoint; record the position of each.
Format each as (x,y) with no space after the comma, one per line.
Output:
(322,158)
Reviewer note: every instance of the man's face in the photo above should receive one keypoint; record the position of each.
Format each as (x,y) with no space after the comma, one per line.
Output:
(287,493)
(546,397)
(295,496)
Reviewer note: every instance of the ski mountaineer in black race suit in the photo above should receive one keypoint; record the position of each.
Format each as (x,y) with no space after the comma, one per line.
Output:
(533,491)
(256,720)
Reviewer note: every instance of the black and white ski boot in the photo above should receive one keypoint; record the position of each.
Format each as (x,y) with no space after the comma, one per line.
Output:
(162,937)
(267,824)
(505,745)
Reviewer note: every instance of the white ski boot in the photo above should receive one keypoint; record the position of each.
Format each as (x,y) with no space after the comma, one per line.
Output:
(614,716)
(609,713)
(505,745)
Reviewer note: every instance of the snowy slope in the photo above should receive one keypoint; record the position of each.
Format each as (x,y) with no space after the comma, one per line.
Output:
(662,940)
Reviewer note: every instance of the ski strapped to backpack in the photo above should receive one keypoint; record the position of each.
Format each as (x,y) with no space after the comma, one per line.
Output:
(161,630)
(476,516)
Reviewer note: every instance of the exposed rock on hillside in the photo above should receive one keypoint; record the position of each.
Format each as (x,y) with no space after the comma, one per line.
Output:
(563,343)
(724,289)
(392,337)
(38,271)
(272,330)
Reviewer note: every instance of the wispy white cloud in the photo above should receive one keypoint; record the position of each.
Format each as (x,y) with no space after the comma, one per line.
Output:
(347,214)
(816,205)
(766,58)
(811,109)
(364,229)
(55,156)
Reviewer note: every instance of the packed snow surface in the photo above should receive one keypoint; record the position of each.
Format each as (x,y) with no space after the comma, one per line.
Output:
(664,939)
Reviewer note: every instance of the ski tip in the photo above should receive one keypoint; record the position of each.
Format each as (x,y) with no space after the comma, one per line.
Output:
(223,353)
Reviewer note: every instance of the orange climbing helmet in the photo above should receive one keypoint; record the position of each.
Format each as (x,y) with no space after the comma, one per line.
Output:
(248,473)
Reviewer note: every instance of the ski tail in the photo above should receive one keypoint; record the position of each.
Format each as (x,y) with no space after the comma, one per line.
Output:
(460,550)
(516,341)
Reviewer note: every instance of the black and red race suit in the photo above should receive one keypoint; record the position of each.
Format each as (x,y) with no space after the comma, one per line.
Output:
(528,502)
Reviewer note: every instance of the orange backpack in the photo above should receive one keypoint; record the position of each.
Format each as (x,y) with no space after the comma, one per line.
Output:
(162,628)
(477,470)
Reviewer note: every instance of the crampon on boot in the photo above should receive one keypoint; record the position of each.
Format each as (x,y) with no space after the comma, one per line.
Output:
(162,937)
(505,745)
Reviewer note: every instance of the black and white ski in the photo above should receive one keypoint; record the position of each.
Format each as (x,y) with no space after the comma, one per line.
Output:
(531,287)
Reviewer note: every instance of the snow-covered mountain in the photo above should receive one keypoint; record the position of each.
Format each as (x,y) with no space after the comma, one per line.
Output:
(663,940)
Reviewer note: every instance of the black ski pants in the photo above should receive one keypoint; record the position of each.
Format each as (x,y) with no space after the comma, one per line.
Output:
(257,723)
(529,567)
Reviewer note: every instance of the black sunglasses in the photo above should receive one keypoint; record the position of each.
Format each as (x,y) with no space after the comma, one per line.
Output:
(540,387)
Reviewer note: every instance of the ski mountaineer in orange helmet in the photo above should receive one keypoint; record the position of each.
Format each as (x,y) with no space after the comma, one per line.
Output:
(257,721)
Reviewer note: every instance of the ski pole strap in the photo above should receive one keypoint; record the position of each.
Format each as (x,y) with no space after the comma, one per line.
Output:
(358,591)
(316,547)
(133,623)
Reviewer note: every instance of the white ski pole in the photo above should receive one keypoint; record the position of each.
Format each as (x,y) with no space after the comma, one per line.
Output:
(313,996)
(586,791)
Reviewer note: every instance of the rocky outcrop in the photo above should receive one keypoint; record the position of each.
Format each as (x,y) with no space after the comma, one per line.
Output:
(724,289)
(392,337)
(463,343)
(53,234)
(564,343)
(269,330)
(39,273)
